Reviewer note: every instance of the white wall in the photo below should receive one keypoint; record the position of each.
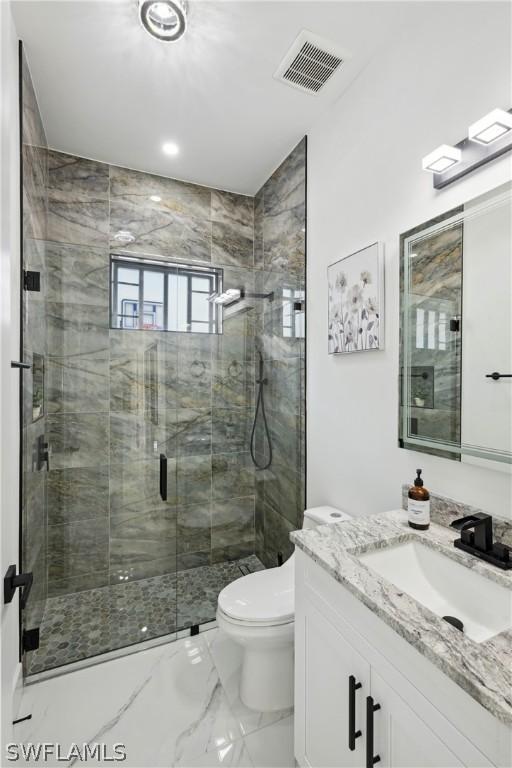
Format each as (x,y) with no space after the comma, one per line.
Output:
(9,350)
(447,67)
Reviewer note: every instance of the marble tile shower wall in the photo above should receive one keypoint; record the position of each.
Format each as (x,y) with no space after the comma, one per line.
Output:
(34,183)
(106,521)
(280,258)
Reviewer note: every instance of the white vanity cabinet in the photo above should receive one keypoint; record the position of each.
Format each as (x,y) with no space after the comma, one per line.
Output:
(347,659)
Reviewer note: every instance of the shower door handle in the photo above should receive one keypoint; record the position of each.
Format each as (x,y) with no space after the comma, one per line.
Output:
(163,476)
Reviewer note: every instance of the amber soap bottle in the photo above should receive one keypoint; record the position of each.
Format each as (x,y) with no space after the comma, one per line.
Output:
(418,504)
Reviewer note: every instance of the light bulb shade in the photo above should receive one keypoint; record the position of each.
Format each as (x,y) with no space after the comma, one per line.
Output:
(491,127)
(441,159)
(165,20)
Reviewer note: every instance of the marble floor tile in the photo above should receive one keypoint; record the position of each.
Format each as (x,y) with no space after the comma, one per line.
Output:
(227,657)
(272,747)
(168,706)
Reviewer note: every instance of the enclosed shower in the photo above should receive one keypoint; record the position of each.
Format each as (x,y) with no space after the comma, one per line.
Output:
(162,432)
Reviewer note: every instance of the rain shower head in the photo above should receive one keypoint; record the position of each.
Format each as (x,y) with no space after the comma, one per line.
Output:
(230,296)
(234,295)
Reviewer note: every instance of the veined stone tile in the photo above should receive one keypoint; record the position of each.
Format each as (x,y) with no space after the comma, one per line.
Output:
(135,486)
(233,522)
(194,386)
(285,189)
(194,528)
(177,225)
(77,494)
(134,570)
(77,384)
(191,200)
(230,247)
(72,585)
(75,179)
(77,274)
(81,223)
(233,474)
(194,431)
(134,438)
(235,210)
(231,429)
(194,479)
(141,536)
(78,440)
(76,329)
(77,549)
(233,383)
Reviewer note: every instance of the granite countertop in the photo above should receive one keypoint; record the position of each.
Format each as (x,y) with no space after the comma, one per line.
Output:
(483,670)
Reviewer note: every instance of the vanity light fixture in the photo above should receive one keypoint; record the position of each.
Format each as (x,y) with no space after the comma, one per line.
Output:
(164,20)
(488,138)
(170,148)
(441,159)
(491,127)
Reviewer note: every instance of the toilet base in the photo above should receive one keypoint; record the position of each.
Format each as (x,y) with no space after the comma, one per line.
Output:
(266,682)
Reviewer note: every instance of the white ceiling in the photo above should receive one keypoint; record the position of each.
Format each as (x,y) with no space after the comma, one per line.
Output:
(108,91)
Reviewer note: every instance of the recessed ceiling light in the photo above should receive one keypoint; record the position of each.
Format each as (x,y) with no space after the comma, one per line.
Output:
(441,159)
(491,127)
(170,148)
(155,198)
(125,237)
(164,19)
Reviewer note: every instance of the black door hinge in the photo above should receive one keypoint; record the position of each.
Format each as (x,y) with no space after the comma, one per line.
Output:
(13,582)
(30,640)
(31,280)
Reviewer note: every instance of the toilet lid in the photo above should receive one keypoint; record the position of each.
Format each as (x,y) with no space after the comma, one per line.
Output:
(264,596)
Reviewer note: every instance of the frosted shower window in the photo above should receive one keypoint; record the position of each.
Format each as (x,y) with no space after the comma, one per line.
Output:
(159,296)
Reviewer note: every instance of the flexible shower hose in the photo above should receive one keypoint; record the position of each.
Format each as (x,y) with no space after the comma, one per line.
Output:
(260,403)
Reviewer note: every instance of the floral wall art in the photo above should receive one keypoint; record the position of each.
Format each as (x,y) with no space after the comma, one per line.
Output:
(356,301)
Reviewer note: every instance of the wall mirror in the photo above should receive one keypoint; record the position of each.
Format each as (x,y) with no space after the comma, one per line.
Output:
(456,332)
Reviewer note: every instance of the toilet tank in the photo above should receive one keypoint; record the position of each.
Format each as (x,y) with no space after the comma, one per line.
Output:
(323,516)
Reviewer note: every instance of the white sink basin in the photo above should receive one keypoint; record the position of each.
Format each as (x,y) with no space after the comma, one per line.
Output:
(445,587)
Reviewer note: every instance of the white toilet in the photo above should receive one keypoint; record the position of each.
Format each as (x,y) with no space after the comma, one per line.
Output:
(257,612)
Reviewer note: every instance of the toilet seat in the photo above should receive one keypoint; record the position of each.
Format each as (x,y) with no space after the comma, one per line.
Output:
(253,624)
(263,598)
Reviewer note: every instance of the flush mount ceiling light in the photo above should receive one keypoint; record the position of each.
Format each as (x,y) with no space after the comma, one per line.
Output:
(170,148)
(491,127)
(155,198)
(124,237)
(165,20)
(441,159)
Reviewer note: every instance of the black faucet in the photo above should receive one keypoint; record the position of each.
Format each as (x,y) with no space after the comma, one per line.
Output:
(476,537)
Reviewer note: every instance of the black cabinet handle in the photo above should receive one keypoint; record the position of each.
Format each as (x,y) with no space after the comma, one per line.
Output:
(497,376)
(352,733)
(20,364)
(13,582)
(163,476)
(371,759)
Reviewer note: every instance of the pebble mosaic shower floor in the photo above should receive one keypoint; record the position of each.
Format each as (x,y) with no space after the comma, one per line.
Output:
(85,624)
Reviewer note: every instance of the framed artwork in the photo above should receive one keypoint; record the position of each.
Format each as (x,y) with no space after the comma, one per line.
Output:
(356,301)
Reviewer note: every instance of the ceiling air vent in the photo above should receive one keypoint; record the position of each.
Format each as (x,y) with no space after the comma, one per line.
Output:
(310,62)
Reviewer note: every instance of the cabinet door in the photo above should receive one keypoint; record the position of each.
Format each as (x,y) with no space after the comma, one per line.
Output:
(329,663)
(400,738)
